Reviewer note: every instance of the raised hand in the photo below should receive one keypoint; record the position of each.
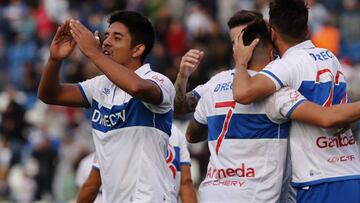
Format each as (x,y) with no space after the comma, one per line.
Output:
(190,61)
(63,43)
(241,53)
(85,39)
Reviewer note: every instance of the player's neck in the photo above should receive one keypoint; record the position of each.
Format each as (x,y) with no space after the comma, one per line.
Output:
(259,61)
(134,65)
(283,46)
(256,66)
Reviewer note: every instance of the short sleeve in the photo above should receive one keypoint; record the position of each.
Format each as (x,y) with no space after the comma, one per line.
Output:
(280,72)
(84,169)
(184,151)
(200,111)
(200,90)
(95,163)
(167,93)
(281,104)
(87,89)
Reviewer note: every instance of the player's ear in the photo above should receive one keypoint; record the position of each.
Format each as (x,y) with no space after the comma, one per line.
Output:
(273,34)
(272,54)
(138,50)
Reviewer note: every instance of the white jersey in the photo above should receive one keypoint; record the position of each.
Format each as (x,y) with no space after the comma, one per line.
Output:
(178,155)
(87,164)
(131,139)
(247,143)
(316,155)
(202,89)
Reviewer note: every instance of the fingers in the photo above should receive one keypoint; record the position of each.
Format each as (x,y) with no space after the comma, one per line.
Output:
(96,35)
(62,33)
(57,34)
(194,54)
(239,41)
(189,64)
(254,43)
(75,29)
(192,57)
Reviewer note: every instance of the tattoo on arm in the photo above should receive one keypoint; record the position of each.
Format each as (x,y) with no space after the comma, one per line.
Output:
(196,132)
(185,103)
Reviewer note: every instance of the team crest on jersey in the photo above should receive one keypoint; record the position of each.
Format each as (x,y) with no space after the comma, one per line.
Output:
(106,91)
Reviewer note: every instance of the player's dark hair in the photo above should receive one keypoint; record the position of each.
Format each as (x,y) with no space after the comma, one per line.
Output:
(243,17)
(257,29)
(289,18)
(140,29)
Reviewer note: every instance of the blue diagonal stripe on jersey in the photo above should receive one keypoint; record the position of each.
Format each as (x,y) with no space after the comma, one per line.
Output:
(136,114)
(319,92)
(247,126)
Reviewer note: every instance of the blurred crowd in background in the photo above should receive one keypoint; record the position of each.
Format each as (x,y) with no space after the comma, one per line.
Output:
(41,145)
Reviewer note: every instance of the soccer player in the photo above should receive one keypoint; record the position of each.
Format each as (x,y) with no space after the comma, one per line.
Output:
(247,143)
(326,168)
(178,160)
(132,105)
(88,180)
(232,173)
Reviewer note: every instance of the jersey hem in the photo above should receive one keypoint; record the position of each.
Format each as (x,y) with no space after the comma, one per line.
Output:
(325,180)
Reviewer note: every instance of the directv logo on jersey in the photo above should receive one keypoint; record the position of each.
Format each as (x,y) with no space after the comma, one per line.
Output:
(108,120)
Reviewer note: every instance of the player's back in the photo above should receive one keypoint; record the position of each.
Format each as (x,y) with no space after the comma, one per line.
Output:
(178,155)
(317,156)
(248,149)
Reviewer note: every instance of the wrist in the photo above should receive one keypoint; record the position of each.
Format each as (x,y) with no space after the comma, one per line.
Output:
(54,60)
(182,75)
(241,65)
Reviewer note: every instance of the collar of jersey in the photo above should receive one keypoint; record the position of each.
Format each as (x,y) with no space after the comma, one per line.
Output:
(142,70)
(303,45)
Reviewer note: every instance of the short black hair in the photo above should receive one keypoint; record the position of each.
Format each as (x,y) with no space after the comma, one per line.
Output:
(140,28)
(243,17)
(289,18)
(257,29)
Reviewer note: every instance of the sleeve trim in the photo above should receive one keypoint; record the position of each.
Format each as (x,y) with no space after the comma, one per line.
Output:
(294,107)
(84,96)
(198,122)
(96,168)
(185,163)
(196,94)
(273,76)
(161,92)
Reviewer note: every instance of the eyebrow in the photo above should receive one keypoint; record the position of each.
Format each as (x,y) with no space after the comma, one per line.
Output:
(115,33)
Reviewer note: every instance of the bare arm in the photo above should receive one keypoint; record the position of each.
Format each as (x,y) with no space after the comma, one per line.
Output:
(196,132)
(327,117)
(186,102)
(90,188)
(51,91)
(187,189)
(248,89)
(120,75)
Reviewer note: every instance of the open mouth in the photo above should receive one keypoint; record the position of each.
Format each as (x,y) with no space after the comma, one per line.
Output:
(106,52)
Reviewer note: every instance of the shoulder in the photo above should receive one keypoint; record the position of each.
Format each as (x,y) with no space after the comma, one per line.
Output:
(159,78)
(175,134)
(221,75)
